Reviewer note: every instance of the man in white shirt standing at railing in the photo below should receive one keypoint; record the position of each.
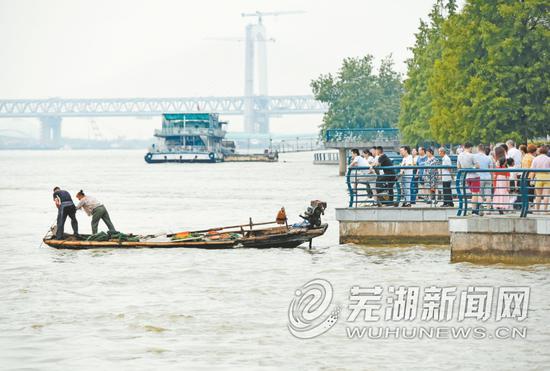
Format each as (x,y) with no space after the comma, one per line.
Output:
(406,175)
(486,179)
(515,154)
(466,160)
(446,178)
(370,179)
(360,176)
(374,155)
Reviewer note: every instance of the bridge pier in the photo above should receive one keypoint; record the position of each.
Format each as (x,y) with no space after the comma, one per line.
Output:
(50,131)
(256,116)
(342,161)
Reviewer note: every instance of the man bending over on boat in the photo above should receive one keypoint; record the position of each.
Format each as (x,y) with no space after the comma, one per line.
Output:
(95,209)
(65,208)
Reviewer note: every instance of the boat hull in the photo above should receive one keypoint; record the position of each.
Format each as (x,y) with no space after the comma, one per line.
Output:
(180,157)
(85,245)
(292,238)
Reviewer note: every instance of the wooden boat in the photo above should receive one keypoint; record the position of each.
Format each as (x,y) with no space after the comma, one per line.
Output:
(236,236)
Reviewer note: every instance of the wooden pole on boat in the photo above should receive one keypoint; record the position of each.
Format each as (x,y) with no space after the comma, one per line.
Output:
(220,228)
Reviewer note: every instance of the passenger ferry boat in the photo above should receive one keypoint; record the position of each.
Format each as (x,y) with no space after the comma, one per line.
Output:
(188,137)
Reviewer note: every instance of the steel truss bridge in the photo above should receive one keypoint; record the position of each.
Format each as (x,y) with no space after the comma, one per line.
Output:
(56,107)
(51,111)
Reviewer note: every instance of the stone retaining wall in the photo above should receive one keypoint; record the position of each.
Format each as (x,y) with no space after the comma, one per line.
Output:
(389,225)
(500,239)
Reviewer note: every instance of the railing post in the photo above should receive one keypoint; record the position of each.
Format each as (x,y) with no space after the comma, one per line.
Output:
(459,193)
(524,192)
(350,189)
(342,161)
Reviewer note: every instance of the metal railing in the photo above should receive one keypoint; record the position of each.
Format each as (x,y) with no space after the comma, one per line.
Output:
(190,130)
(503,191)
(326,157)
(361,135)
(397,159)
(401,185)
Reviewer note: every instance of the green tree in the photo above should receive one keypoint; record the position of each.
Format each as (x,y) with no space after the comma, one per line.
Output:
(358,97)
(416,104)
(492,80)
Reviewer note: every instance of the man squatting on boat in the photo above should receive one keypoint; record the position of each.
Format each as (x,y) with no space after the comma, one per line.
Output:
(95,209)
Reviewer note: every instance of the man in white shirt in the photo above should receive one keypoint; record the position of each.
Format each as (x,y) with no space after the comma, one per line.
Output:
(514,154)
(406,175)
(486,179)
(446,178)
(357,160)
(370,179)
(466,160)
(374,154)
(360,176)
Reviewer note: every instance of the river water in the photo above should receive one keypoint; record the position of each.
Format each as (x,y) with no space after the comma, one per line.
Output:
(189,309)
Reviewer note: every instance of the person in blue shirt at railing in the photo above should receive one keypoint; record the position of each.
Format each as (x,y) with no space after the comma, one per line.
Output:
(406,175)
(418,178)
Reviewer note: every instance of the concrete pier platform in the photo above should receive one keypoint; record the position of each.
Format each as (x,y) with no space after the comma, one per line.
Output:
(394,225)
(500,239)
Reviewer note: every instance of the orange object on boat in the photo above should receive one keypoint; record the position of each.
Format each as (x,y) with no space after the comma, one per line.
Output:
(182,235)
(281,216)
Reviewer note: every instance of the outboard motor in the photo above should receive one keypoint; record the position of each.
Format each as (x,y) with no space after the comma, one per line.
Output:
(313,213)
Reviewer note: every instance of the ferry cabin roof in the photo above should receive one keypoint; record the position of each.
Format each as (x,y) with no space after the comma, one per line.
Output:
(197,120)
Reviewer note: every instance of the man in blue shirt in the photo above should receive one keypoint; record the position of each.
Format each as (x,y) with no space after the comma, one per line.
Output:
(65,207)
(418,179)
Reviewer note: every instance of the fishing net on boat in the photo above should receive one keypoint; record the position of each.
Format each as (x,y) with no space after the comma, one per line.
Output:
(113,236)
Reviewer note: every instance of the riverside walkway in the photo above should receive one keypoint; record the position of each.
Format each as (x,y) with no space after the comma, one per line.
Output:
(437,204)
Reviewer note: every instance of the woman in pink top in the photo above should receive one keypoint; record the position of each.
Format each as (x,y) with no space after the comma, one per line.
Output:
(501,198)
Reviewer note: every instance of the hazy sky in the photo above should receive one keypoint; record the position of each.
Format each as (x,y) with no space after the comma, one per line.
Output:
(164,48)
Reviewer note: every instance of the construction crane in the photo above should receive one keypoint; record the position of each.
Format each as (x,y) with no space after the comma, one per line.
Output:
(266,14)
(255,47)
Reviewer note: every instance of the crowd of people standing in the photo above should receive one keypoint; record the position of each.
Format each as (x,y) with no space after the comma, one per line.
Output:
(493,178)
